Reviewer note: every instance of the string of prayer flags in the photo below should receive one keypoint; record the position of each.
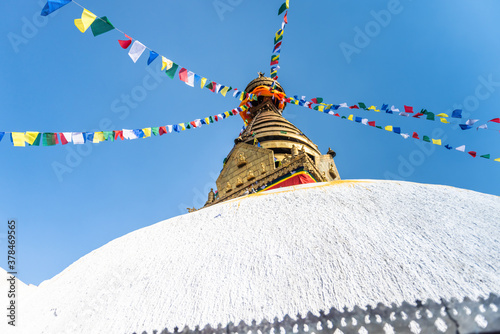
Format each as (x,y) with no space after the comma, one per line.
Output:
(136,50)
(53,5)
(100,26)
(85,21)
(389,128)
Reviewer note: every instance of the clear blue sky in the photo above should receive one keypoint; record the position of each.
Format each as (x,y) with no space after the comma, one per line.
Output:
(428,54)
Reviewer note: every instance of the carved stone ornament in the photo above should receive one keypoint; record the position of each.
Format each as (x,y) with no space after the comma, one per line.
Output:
(262,168)
(331,171)
(228,187)
(242,160)
(295,151)
(211,195)
(250,175)
(239,181)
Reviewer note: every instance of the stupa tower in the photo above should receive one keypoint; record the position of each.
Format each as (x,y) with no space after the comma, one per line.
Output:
(271,152)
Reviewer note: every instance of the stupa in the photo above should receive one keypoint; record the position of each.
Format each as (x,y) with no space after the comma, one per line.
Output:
(271,152)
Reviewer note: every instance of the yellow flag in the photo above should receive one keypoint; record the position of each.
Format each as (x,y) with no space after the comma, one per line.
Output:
(203,82)
(444,120)
(147,132)
(224,90)
(442,115)
(321,108)
(19,138)
(30,137)
(436,141)
(350,117)
(84,23)
(497,160)
(183,126)
(389,128)
(227,113)
(98,137)
(207,120)
(166,63)
(373,108)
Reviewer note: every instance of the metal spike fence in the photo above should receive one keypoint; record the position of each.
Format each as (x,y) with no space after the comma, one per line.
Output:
(468,316)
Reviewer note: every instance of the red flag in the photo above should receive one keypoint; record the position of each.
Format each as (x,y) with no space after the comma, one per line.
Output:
(125,43)
(409,109)
(415,135)
(63,139)
(285,19)
(372,123)
(277,46)
(337,115)
(119,134)
(193,123)
(163,130)
(418,115)
(496,120)
(275,62)
(56,139)
(354,107)
(183,74)
(216,118)
(472,153)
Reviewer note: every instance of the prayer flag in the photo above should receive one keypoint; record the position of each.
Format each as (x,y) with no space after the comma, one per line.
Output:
(448,147)
(119,134)
(49,139)
(472,153)
(357,119)
(162,130)
(139,133)
(109,135)
(465,126)
(457,113)
(362,105)
(186,76)
(415,135)
(169,128)
(396,130)
(182,126)
(152,56)
(483,126)
(350,117)
(436,141)
(100,26)
(394,109)
(409,109)
(155,131)
(98,137)
(53,5)
(486,156)
(471,121)
(283,7)
(30,137)
(405,135)
(496,120)
(203,82)
(430,116)
(136,50)
(372,123)
(224,90)
(444,120)
(461,148)
(18,138)
(285,18)
(497,159)
(427,139)
(317,100)
(166,63)
(125,43)
(78,138)
(171,71)
(384,106)
(442,115)
(1,135)
(85,21)
(129,134)
(147,132)
(389,128)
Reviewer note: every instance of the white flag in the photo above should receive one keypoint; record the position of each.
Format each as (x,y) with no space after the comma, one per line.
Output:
(393,109)
(136,50)
(484,126)
(68,136)
(77,138)
(170,128)
(405,135)
(471,122)
(344,105)
(129,134)
(364,121)
(461,148)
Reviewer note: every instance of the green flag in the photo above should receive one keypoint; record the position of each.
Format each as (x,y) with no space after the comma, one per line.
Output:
(101,25)
(37,140)
(362,105)
(276,40)
(49,139)
(188,126)
(283,7)
(379,127)
(109,135)
(171,72)
(427,139)
(211,119)
(486,156)
(430,116)
(155,131)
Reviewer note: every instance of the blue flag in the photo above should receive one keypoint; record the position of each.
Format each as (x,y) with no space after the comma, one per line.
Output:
(384,107)
(53,5)
(152,56)
(1,135)
(465,126)
(457,113)
(448,146)
(396,130)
